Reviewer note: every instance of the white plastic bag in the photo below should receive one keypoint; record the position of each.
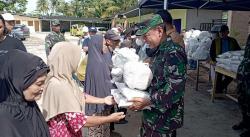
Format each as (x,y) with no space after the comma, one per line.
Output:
(137,75)
(131,93)
(225,55)
(191,46)
(124,55)
(200,54)
(204,35)
(196,33)
(202,51)
(120,99)
(238,53)
(116,72)
(117,75)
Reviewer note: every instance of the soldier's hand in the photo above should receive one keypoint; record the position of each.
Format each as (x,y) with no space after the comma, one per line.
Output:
(139,103)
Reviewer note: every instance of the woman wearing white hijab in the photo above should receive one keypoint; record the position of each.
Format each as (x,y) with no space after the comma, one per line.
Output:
(63,102)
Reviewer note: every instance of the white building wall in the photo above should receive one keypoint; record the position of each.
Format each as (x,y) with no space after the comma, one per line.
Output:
(238,22)
(24,22)
(195,17)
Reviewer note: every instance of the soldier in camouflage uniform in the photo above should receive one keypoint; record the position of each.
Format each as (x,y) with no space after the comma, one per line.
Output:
(168,85)
(243,77)
(53,37)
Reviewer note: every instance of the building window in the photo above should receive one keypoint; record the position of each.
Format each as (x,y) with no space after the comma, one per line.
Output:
(18,22)
(30,23)
(225,15)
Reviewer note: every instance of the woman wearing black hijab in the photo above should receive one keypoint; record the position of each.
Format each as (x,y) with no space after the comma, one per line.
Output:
(22,77)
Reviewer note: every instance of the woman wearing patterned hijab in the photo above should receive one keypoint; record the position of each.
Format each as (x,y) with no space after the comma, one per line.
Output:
(243,78)
(63,102)
(22,77)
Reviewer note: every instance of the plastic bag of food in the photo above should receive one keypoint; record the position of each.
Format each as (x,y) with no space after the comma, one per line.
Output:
(123,56)
(137,75)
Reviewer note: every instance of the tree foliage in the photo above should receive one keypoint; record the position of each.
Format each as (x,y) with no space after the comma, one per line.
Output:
(85,8)
(14,6)
(43,6)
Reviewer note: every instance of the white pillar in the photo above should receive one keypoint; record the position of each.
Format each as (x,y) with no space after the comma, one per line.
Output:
(165,4)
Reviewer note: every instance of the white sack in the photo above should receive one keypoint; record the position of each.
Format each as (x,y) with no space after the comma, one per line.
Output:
(117,75)
(238,53)
(120,99)
(204,35)
(137,75)
(124,55)
(196,33)
(131,93)
(200,54)
(116,72)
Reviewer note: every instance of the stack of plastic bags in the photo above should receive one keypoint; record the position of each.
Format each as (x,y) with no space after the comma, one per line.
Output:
(197,44)
(230,60)
(123,94)
(131,77)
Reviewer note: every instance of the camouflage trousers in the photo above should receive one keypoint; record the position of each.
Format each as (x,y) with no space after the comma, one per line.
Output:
(47,50)
(150,133)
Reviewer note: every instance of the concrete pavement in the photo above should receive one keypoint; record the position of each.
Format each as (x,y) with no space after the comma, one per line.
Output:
(35,44)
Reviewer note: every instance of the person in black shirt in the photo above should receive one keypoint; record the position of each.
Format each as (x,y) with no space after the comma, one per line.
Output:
(6,42)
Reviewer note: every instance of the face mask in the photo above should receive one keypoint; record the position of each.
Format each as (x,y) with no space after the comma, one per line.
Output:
(139,42)
(151,51)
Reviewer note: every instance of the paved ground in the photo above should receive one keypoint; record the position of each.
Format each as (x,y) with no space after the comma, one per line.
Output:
(35,44)
(202,117)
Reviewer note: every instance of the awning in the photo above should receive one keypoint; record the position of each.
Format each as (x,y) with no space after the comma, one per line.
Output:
(238,5)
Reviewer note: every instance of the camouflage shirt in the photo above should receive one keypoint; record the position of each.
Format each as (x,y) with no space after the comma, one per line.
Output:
(167,89)
(51,39)
(243,79)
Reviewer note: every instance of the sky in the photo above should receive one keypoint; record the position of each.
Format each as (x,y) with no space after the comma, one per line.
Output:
(31,6)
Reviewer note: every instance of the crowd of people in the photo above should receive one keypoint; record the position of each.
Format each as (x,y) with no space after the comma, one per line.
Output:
(66,109)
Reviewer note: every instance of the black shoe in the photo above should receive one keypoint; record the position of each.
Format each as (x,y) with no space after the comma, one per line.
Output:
(245,133)
(239,126)
(123,121)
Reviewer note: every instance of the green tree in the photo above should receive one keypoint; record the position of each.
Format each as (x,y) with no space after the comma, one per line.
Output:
(106,8)
(43,6)
(87,8)
(76,5)
(54,5)
(101,8)
(126,4)
(15,6)
(2,5)
(65,8)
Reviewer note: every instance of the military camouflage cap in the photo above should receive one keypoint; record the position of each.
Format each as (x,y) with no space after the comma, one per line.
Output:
(55,22)
(149,24)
